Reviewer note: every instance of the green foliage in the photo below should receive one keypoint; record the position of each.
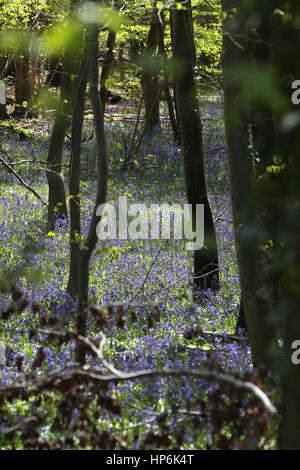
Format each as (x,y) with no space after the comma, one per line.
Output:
(55,32)
(9,128)
(20,13)
(208,37)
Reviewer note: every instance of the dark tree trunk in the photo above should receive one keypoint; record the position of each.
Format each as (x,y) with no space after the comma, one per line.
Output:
(149,80)
(74,184)
(57,206)
(166,85)
(241,322)
(91,240)
(3,109)
(178,131)
(55,72)
(283,191)
(106,67)
(256,294)
(263,129)
(206,259)
(121,65)
(23,91)
(3,112)
(261,115)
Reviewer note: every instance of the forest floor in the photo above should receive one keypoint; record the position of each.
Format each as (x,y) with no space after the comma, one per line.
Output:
(123,271)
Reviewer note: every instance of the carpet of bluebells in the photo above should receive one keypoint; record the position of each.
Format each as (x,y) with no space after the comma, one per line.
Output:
(38,260)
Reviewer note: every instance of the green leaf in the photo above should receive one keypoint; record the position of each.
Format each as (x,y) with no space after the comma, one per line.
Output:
(277,160)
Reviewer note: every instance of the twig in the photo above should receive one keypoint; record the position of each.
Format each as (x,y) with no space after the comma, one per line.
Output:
(181,279)
(40,162)
(99,353)
(29,188)
(147,121)
(234,41)
(148,273)
(128,157)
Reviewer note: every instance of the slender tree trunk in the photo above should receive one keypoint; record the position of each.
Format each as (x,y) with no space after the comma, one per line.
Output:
(91,240)
(74,184)
(57,206)
(149,81)
(241,322)
(261,114)
(55,72)
(178,132)
(166,88)
(263,129)
(3,110)
(284,191)
(121,65)
(23,91)
(206,259)
(256,294)
(106,67)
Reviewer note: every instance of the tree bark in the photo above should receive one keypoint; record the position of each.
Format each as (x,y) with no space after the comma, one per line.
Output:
(54,75)
(3,109)
(23,91)
(255,287)
(241,321)
(166,87)
(206,259)
(284,191)
(74,183)
(106,67)
(149,80)
(91,240)
(261,115)
(57,206)
(178,132)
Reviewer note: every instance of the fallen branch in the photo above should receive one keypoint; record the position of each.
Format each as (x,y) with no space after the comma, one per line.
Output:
(97,376)
(178,372)
(190,334)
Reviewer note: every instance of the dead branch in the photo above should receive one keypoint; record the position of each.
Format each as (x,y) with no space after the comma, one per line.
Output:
(15,174)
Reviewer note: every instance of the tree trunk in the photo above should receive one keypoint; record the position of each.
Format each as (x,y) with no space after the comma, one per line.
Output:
(256,294)
(284,192)
(57,206)
(241,322)
(74,184)
(3,110)
(54,75)
(23,91)
(149,80)
(206,259)
(166,87)
(178,131)
(261,115)
(106,67)
(91,240)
